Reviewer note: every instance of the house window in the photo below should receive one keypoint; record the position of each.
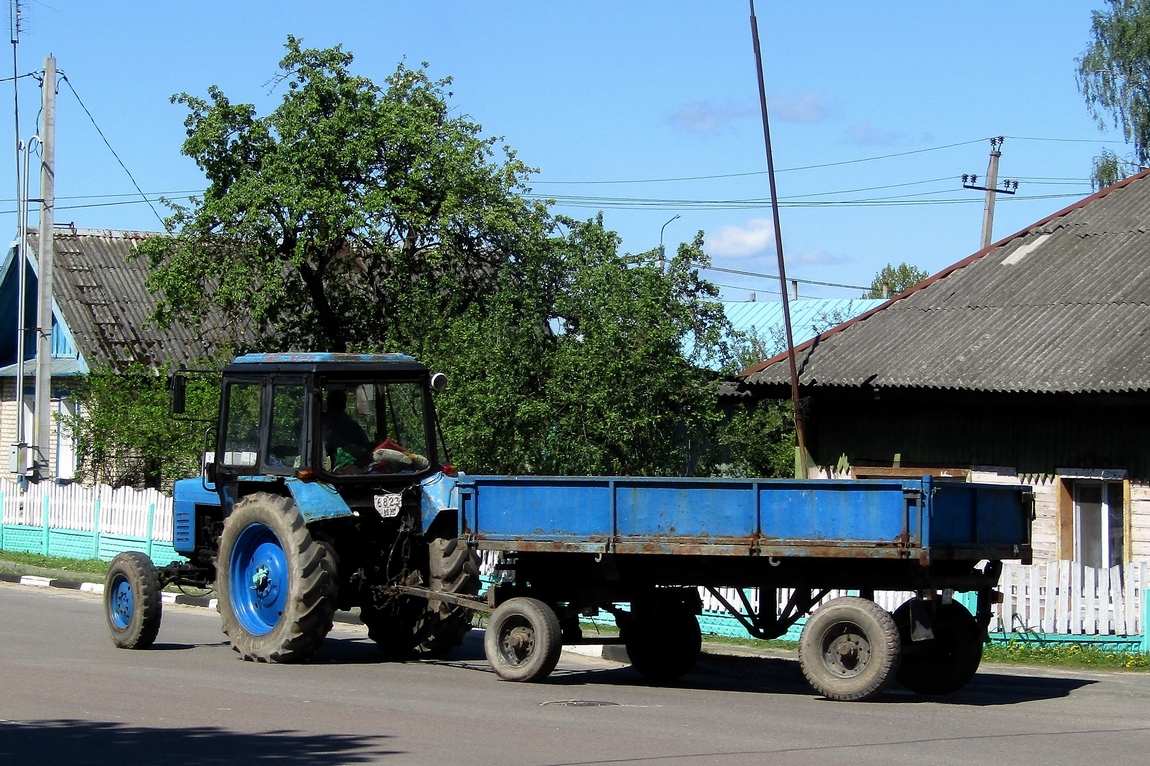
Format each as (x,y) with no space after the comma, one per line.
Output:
(1099,523)
(1093,521)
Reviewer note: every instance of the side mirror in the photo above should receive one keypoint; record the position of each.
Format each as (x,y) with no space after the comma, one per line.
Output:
(178,393)
(438,381)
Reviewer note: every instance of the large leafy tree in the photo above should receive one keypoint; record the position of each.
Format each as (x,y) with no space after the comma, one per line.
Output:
(1114,78)
(370,219)
(318,218)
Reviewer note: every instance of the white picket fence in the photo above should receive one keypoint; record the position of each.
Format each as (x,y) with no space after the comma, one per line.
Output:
(123,511)
(1065,598)
(1051,598)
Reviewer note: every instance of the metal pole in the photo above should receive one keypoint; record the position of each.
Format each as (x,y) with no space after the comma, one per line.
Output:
(662,251)
(43,413)
(800,436)
(21,263)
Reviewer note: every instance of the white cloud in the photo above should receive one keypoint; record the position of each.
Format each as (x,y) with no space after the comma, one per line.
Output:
(868,134)
(806,107)
(816,258)
(755,236)
(708,116)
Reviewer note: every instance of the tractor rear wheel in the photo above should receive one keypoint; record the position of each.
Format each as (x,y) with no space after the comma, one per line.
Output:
(454,568)
(412,628)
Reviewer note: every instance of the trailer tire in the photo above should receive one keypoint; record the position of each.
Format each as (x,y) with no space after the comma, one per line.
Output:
(849,649)
(943,664)
(663,641)
(133,605)
(523,640)
(275,582)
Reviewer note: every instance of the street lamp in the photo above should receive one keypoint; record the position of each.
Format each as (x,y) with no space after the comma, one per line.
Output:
(663,250)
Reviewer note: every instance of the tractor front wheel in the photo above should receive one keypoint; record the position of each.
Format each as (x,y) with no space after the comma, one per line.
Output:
(132,602)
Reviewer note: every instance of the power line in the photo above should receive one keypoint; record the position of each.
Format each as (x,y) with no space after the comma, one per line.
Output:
(1066,140)
(779,170)
(641,203)
(132,178)
(183,193)
(775,277)
(821,165)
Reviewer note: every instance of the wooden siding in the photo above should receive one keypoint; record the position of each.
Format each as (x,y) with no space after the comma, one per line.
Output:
(1035,433)
(1140,521)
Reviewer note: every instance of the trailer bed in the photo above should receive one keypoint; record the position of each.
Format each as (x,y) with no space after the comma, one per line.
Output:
(923,519)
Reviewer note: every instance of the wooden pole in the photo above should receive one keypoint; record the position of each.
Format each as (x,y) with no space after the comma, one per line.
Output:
(801,463)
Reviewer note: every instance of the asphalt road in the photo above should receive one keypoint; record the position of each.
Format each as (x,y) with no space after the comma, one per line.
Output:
(67,696)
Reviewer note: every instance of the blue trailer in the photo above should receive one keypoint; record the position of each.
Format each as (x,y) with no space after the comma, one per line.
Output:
(306,506)
(582,544)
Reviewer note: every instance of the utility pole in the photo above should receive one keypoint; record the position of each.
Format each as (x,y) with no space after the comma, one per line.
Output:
(802,457)
(991,189)
(42,419)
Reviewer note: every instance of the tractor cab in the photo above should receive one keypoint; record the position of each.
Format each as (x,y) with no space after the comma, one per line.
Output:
(337,418)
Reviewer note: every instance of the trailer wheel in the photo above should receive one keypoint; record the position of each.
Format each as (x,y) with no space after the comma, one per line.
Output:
(663,640)
(132,602)
(945,663)
(276,583)
(523,640)
(849,649)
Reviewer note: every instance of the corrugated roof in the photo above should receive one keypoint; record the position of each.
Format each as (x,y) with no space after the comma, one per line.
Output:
(103,300)
(1063,306)
(809,316)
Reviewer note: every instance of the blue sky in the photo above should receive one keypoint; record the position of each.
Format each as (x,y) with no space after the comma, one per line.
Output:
(643,110)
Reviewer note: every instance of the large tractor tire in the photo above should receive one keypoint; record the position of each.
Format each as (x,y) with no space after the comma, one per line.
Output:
(453,566)
(849,649)
(413,628)
(276,583)
(132,602)
(945,663)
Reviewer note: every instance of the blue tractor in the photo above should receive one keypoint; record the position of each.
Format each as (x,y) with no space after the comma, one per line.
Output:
(329,488)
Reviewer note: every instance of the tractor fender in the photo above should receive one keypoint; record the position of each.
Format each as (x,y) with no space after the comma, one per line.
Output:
(316,500)
(440,496)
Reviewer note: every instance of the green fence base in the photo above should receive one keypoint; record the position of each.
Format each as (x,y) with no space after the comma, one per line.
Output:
(75,544)
(1121,644)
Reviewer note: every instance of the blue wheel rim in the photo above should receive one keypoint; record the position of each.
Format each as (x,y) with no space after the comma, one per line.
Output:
(122,602)
(258,579)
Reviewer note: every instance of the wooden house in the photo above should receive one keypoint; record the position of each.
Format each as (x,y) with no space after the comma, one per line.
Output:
(100,320)
(1027,362)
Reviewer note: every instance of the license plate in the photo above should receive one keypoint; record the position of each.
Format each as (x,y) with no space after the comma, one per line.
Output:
(388,506)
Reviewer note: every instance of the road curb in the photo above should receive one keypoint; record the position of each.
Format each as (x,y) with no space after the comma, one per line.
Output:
(610,652)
